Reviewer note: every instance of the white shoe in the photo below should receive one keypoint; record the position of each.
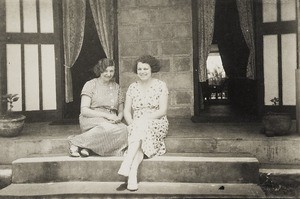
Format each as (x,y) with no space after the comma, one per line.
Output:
(132,184)
(132,187)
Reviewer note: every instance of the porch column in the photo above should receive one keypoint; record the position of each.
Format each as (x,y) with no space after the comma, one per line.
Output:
(298,99)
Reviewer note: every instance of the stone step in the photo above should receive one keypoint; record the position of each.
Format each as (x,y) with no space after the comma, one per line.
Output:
(5,175)
(274,150)
(194,168)
(278,176)
(68,190)
(268,150)
(15,148)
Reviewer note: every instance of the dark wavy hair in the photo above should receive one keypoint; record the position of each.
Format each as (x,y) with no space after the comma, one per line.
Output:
(101,66)
(148,59)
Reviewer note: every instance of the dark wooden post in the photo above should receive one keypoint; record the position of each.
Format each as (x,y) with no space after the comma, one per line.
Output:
(298,72)
(298,100)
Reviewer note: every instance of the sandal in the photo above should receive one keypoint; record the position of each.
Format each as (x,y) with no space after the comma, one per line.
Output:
(84,153)
(73,151)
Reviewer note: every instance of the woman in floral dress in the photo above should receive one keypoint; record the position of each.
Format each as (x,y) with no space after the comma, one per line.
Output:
(100,115)
(145,112)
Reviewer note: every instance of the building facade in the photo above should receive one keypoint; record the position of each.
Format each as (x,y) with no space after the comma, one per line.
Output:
(33,56)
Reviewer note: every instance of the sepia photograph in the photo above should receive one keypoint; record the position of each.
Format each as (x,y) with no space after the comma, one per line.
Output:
(149,99)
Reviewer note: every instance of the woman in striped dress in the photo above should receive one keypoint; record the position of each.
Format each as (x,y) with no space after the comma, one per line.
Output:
(101,112)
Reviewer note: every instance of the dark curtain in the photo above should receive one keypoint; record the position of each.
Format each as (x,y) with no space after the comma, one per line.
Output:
(232,46)
(245,10)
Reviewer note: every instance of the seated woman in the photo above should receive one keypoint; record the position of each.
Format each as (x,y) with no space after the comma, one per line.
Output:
(148,124)
(100,115)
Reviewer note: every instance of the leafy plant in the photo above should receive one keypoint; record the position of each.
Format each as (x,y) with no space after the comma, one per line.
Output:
(275,101)
(216,76)
(10,99)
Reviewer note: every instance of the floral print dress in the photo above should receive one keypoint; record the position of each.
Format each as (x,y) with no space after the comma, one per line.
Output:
(150,131)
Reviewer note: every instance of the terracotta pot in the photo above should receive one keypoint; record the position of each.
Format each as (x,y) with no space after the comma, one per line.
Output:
(11,125)
(277,124)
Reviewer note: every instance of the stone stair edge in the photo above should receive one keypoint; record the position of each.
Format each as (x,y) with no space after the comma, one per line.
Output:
(145,188)
(271,169)
(62,138)
(172,157)
(184,154)
(5,166)
(275,169)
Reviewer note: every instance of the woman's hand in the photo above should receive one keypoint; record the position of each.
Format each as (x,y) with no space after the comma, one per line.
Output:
(113,118)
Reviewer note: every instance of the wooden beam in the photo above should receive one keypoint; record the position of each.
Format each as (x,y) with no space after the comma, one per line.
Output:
(281,27)
(195,56)
(2,56)
(259,58)
(298,71)
(59,57)
(298,100)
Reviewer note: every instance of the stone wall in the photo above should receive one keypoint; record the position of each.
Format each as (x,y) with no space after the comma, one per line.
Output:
(162,28)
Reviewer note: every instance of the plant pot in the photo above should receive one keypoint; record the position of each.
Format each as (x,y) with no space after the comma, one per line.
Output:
(277,124)
(11,125)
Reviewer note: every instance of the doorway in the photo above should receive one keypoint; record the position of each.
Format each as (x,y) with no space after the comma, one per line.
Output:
(82,71)
(228,95)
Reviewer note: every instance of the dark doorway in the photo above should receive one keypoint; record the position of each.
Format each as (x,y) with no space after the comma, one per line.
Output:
(237,99)
(90,53)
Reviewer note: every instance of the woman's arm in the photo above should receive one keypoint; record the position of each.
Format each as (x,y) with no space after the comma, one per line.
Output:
(120,112)
(127,110)
(163,107)
(86,111)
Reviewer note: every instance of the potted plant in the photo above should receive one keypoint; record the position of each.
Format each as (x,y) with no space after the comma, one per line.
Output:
(277,123)
(11,124)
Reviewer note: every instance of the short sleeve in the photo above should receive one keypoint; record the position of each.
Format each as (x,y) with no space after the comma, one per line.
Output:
(164,89)
(129,92)
(88,89)
(120,96)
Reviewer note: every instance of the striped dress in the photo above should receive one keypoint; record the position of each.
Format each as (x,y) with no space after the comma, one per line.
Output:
(98,135)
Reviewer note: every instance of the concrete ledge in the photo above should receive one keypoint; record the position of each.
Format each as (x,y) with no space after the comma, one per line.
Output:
(287,175)
(40,139)
(5,175)
(146,190)
(275,150)
(19,148)
(195,169)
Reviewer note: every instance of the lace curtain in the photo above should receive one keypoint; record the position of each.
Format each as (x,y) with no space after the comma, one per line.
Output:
(206,31)
(206,15)
(73,32)
(103,14)
(245,10)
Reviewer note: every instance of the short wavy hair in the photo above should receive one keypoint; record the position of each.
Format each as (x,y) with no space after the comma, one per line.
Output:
(148,59)
(101,66)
